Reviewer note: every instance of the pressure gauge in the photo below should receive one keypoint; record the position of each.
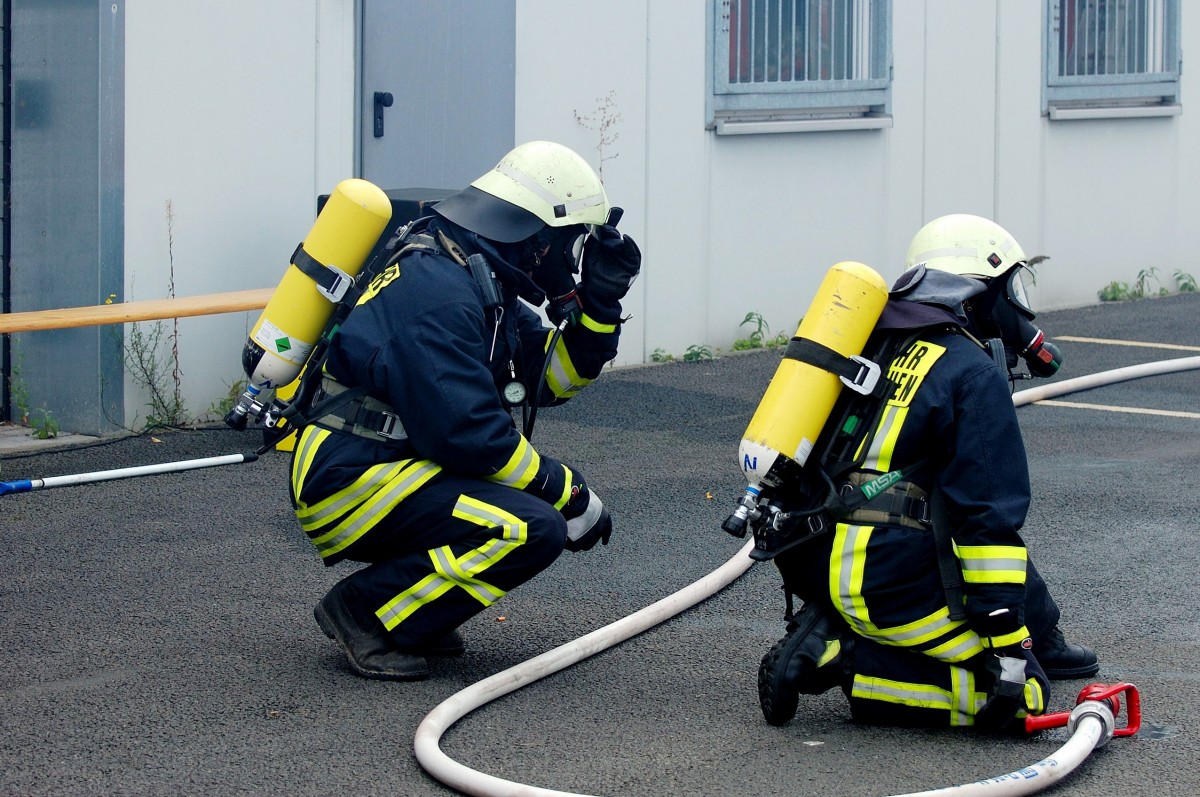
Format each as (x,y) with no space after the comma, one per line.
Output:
(514,393)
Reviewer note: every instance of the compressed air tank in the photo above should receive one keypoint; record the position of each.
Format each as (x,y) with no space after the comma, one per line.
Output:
(342,237)
(800,396)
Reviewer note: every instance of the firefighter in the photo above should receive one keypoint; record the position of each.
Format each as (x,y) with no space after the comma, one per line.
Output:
(923,604)
(424,475)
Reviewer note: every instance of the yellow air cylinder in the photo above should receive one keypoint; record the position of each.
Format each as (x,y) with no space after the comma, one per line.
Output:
(342,237)
(800,397)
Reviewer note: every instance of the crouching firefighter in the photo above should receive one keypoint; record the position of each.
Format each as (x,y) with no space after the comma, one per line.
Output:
(900,536)
(410,459)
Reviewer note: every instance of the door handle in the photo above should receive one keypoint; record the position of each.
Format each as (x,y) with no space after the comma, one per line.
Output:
(383,99)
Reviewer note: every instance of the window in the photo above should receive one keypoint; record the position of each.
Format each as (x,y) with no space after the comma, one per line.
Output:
(1109,58)
(788,65)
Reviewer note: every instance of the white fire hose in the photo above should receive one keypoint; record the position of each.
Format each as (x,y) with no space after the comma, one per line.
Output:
(1091,729)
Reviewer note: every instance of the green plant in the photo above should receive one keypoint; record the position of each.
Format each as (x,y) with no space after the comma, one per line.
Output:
(43,424)
(153,369)
(221,407)
(697,352)
(1185,282)
(152,361)
(1115,291)
(760,336)
(1141,285)
(661,356)
(18,390)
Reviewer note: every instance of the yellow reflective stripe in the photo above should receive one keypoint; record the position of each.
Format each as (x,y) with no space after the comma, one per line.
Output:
(992,564)
(462,571)
(1006,640)
(832,650)
(566,491)
(596,326)
(313,518)
(963,686)
(935,635)
(922,630)
(960,701)
(521,467)
(369,512)
(563,379)
(901,692)
(957,648)
(907,371)
(1035,698)
(846,573)
(310,439)
(883,445)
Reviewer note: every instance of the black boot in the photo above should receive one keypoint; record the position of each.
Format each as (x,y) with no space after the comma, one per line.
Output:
(448,644)
(1062,660)
(809,660)
(371,651)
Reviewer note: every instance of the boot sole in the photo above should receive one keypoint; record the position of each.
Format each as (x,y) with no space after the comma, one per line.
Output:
(778,703)
(329,628)
(1072,674)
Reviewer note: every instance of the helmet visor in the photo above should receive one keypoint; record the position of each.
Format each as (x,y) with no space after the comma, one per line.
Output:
(1016,289)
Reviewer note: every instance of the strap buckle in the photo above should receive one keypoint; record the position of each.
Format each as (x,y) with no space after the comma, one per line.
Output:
(391,427)
(338,288)
(866,379)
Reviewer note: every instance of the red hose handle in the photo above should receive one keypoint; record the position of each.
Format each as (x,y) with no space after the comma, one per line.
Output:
(1109,693)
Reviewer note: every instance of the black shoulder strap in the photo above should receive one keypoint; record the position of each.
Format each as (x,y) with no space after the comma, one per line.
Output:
(858,373)
(948,566)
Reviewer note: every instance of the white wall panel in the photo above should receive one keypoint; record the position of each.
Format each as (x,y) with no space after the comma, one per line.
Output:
(239,115)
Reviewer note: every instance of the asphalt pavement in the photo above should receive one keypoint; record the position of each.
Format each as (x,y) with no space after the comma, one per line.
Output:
(158,639)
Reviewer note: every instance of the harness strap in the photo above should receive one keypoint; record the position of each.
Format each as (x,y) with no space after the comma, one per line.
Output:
(332,283)
(857,373)
(902,504)
(948,565)
(342,409)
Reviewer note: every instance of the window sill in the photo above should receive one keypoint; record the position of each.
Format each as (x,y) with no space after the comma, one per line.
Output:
(731,127)
(1117,112)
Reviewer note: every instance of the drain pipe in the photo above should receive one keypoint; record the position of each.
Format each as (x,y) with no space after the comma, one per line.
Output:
(1090,731)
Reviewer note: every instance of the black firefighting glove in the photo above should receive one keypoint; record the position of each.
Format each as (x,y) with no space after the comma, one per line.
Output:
(611,263)
(1017,687)
(588,522)
(1006,697)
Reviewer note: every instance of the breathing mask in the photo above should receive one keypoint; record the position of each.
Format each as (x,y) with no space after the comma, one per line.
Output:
(1003,311)
(551,259)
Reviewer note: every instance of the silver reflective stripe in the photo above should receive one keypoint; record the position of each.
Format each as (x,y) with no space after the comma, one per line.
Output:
(551,199)
(918,695)
(992,563)
(315,517)
(962,690)
(394,492)
(456,570)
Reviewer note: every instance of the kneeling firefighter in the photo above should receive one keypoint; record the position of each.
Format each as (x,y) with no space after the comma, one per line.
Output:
(919,598)
(411,460)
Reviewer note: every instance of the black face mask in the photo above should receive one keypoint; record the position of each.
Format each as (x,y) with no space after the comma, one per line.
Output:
(1003,312)
(551,258)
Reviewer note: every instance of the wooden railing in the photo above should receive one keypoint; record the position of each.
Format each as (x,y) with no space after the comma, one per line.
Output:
(125,312)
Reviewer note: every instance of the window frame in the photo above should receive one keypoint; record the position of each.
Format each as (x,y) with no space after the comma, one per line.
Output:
(1113,95)
(803,105)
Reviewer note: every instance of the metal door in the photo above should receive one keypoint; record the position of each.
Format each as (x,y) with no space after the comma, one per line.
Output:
(437,90)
